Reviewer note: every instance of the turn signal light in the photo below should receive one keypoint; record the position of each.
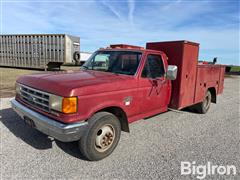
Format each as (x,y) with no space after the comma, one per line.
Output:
(69,105)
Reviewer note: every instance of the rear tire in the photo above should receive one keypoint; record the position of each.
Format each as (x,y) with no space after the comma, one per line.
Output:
(101,137)
(204,106)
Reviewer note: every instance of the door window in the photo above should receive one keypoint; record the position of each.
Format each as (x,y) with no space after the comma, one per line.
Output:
(153,67)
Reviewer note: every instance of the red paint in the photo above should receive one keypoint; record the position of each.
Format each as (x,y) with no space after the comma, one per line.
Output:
(98,90)
(186,89)
(208,76)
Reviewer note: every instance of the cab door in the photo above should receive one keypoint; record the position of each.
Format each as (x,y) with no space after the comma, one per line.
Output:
(153,85)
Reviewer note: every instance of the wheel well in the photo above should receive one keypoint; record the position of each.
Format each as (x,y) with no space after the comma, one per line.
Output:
(118,112)
(213,94)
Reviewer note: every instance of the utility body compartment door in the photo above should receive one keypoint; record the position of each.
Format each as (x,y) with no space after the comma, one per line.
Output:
(208,76)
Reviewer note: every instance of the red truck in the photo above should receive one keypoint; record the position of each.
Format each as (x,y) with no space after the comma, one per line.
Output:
(116,86)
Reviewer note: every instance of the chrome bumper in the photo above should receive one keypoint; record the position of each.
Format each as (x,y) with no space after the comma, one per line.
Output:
(60,131)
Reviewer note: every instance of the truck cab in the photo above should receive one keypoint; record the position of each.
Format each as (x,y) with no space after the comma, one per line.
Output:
(146,90)
(116,86)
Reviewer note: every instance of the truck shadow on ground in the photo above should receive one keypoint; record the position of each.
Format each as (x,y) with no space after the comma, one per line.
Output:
(33,137)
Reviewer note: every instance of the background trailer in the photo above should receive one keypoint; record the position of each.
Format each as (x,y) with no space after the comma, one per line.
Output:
(40,51)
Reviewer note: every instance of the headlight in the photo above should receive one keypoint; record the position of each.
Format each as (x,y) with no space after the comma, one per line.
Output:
(18,88)
(55,102)
(62,104)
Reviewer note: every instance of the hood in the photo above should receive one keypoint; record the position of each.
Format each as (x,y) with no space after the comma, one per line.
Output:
(75,83)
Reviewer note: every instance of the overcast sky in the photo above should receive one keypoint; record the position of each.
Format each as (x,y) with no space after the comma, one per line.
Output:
(215,25)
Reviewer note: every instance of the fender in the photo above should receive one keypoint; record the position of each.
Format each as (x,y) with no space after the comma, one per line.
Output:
(98,106)
(104,105)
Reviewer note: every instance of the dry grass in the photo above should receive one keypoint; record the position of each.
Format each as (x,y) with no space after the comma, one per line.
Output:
(8,77)
(235,69)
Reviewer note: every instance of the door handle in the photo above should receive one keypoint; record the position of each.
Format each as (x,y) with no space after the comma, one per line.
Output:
(155,82)
(163,81)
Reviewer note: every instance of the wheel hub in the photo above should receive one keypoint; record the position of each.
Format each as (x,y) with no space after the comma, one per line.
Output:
(104,138)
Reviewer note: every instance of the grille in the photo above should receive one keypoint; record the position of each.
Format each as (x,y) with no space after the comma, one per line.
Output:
(35,97)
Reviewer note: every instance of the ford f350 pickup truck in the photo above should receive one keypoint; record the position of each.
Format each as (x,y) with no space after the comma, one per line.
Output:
(116,86)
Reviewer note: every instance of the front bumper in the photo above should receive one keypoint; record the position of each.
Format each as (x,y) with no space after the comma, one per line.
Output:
(60,131)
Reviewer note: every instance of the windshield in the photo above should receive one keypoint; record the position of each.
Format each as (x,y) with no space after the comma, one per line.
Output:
(120,62)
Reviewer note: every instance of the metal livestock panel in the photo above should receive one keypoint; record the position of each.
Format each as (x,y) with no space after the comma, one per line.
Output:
(38,50)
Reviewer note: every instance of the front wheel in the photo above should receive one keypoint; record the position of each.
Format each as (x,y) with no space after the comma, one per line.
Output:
(204,106)
(102,136)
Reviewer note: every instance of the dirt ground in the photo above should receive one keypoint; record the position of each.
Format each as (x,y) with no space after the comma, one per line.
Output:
(8,77)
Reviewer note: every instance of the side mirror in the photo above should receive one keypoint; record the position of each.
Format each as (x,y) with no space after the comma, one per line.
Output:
(172,72)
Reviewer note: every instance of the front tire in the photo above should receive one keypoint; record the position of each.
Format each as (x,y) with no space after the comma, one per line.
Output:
(204,106)
(101,137)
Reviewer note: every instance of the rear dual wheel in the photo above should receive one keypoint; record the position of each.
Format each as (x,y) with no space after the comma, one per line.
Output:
(204,106)
(101,137)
